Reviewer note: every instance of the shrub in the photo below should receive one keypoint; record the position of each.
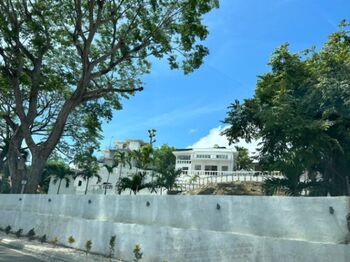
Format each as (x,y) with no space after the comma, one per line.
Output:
(88,246)
(137,253)
(19,233)
(8,230)
(71,240)
(112,245)
(31,234)
(43,239)
(55,241)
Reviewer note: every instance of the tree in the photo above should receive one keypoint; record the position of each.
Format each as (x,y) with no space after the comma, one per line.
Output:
(300,111)
(109,169)
(122,159)
(135,183)
(87,55)
(243,161)
(88,167)
(168,178)
(164,159)
(59,171)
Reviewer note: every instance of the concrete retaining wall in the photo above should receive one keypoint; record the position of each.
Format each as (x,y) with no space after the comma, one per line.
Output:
(190,228)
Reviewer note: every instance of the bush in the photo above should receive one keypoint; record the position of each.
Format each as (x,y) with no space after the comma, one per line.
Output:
(112,245)
(8,230)
(55,241)
(42,239)
(137,253)
(31,234)
(19,233)
(71,240)
(88,246)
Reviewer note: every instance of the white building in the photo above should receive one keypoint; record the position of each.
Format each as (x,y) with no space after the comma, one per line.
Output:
(78,185)
(205,161)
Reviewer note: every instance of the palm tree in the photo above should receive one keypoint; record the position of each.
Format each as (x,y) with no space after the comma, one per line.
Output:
(122,159)
(134,183)
(59,171)
(168,178)
(110,171)
(88,166)
(88,174)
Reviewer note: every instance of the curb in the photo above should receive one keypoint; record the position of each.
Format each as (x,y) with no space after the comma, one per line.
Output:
(12,244)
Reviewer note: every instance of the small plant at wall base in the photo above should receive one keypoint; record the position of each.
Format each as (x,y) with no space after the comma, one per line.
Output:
(112,246)
(8,230)
(19,233)
(71,240)
(31,234)
(43,239)
(55,241)
(88,246)
(137,253)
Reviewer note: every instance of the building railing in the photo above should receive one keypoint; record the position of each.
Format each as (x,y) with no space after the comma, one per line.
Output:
(195,179)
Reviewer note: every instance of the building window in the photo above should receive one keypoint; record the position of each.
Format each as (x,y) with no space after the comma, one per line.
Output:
(222,156)
(203,156)
(224,168)
(197,167)
(184,157)
(211,168)
(80,183)
(185,168)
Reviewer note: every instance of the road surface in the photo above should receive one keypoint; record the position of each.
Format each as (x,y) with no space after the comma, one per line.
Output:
(9,255)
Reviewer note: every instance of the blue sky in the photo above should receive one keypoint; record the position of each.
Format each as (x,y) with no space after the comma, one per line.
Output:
(188,109)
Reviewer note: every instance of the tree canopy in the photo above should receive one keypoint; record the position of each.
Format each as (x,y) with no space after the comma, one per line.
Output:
(65,65)
(301,112)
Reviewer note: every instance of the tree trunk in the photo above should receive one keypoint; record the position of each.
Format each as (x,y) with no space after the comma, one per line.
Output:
(34,176)
(87,184)
(107,183)
(59,186)
(17,172)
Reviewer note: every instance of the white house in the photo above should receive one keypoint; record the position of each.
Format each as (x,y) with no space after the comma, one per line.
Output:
(205,161)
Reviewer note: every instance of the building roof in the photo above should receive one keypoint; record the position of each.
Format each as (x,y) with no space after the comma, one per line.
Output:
(213,149)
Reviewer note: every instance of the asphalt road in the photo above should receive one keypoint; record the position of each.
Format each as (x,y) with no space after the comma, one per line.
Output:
(9,255)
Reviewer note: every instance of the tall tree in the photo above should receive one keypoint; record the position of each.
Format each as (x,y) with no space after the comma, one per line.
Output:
(122,159)
(109,169)
(87,54)
(301,113)
(243,161)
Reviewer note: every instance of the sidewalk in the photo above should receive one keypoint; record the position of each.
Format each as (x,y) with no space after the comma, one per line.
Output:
(48,251)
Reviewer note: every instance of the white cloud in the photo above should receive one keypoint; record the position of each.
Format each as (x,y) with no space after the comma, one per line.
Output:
(192,131)
(215,138)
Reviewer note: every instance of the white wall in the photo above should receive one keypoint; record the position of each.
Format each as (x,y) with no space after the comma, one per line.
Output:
(190,228)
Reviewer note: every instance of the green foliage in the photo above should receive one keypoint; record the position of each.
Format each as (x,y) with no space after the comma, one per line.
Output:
(31,234)
(7,230)
(88,246)
(74,62)
(5,186)
(55,241)
(112,243)
(135,183)
(164,158)
(243,161)
(88,166)
(19,232)
(43,239)
(137,253)
(57,170)
(300,111)
(71,240)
